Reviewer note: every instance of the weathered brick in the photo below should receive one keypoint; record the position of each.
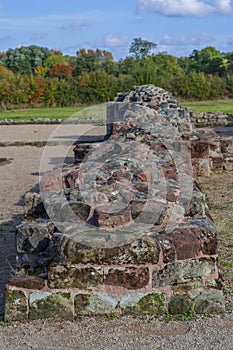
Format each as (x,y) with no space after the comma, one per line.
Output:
(50,305)
(200,149)
(111,220)
(171,274)
(201,166)
(95,304)
(51,183)
(168,248)
(148,303)
(187,243)
(82,277)
(16,305)
(28,282)
(180,304)
(198,268)
(217,162)
(34,236)
(209,302)
(127,277)
(140,251)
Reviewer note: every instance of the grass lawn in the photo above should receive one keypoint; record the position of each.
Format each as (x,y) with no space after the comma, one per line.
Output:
(224,106)
(43,112)
(98,111)
(219,190)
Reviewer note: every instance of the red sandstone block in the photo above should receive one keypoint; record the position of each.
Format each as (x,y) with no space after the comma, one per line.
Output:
(200,149)
(51,182)
(168,248)
(127,277)
(112,219)
(187,243)
(217,162)
(28,282)
(119,128)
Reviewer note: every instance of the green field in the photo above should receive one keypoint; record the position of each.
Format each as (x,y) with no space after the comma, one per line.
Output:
(81,112)
(224,106)
(43,112)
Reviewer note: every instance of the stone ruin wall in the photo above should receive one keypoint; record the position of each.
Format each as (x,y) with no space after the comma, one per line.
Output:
(211,119)
(155,252)
(210,151)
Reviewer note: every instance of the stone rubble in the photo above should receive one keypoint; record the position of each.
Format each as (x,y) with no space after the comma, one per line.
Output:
(125,229)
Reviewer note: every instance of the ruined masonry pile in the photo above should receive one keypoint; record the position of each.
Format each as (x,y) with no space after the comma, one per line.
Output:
(210,152)
(123,230)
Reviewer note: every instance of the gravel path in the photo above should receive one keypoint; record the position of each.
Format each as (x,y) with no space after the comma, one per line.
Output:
(119,334)
(19,175)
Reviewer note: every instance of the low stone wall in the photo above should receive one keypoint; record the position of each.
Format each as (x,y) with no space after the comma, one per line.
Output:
(160,273)
(30,121)
(211,119)
(125,229)
(211,152)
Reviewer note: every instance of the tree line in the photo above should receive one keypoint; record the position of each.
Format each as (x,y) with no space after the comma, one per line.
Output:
(38,76)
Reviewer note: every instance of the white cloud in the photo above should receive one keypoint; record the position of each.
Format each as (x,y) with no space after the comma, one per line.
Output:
(116,40)
(181,8)
(223,6)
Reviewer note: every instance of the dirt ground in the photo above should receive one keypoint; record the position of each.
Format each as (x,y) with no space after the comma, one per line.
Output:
(19,173)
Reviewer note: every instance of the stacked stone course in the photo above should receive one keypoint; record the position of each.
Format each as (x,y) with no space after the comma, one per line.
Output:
(211,119)
(154,252)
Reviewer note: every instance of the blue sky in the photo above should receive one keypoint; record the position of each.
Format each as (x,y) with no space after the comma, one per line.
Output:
(176,26)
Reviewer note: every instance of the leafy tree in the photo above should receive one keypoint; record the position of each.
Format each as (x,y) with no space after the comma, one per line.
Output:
(127,65)
(140,48)
(4,72)
(70,60)
(202,87)
(165,68)
(40,71)
(205,60)
(86,62)
(2,58)
(155,69)
(92,60)
(228,79)
(25,59)
(52,60)
(60,71)
(56,52)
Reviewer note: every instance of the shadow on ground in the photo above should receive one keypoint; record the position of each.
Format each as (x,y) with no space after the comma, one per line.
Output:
(8,250)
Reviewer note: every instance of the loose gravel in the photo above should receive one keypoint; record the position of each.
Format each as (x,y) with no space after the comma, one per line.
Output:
(119,334)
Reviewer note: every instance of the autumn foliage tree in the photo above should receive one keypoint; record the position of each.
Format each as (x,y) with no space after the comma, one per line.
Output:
(60,71)
(37,76)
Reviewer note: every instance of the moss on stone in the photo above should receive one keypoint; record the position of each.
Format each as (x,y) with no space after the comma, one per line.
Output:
(57,305)
(209,302)
(16,305)
(152,304)
(179,304)
(81,301)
